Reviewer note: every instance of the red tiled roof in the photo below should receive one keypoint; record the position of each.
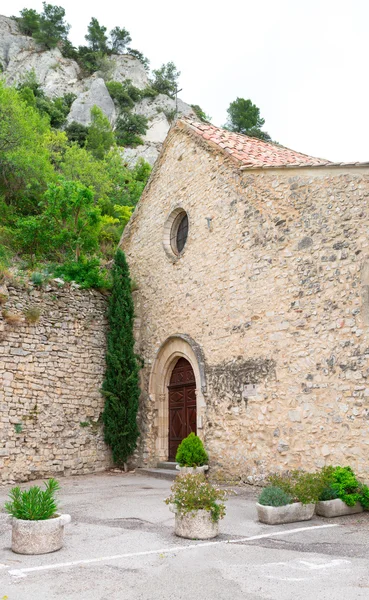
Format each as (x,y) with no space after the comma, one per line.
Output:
(251,152)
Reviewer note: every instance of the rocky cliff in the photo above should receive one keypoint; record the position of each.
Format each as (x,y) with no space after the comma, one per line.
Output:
(58,75)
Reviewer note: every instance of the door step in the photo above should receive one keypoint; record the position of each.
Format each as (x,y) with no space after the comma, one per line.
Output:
(167,465)
(165,473)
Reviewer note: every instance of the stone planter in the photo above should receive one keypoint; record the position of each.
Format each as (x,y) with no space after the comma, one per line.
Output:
(192,470)
(336,508)
(291,513)
(38,537)
(196,525)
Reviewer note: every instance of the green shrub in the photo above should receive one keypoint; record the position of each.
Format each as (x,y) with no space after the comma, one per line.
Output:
(33,504)
(301,486)
(194,492)
(128,129)
(87,272)
(191,452)
(274,496)
(328,493)
(149,92)
(341,482)
(119,94)
(76,132)
(37,279)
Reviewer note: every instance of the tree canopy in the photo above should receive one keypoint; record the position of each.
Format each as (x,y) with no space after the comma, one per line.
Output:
(166,79)
(47,28)
(244,117)
(96,37)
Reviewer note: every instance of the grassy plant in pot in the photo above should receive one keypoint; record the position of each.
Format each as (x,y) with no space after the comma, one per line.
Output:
(342,493)
(191,456)
(289,498)
(198,507)
(37,527)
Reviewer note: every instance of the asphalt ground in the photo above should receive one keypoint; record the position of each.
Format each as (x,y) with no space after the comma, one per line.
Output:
(121,545)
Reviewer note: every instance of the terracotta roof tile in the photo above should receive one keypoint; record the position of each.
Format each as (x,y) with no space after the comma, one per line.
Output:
(252,152)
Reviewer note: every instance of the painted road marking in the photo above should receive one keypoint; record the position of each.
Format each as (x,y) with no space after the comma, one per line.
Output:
(284,571)
(173,549)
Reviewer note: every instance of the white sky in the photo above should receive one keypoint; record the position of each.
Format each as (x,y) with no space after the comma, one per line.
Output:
(304,63)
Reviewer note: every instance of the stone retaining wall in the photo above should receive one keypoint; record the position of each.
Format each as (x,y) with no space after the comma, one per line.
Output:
(50,376)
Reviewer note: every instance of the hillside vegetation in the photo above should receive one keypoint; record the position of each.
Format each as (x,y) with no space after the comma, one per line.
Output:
(63,204)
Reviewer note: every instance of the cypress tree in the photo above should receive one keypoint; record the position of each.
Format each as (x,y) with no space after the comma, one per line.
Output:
(121,383)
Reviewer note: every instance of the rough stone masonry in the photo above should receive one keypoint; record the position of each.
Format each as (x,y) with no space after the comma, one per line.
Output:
(50,377)
(273,286)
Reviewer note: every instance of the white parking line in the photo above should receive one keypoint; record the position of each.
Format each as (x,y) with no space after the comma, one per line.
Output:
(173,549)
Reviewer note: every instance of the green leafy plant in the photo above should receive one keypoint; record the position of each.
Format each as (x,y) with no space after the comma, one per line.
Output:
(37,279)
(193,492)
(128,129)
(76,132)
(328,493)
(85,272)
(191,452)
(301,486)
(341,482)
(33,504)
(18,427)
(166,79)
(274,496)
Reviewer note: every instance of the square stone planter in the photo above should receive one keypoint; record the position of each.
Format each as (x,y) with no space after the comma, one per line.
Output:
(291,513)
(336,508)
(38,537)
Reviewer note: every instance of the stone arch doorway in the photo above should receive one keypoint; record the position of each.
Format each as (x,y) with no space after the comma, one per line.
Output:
(175,347)
(182,405)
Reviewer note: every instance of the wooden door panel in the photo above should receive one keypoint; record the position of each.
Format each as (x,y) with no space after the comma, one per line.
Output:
(191,420)
(182,405)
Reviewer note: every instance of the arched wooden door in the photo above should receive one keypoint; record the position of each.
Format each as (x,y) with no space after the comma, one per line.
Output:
(182,404)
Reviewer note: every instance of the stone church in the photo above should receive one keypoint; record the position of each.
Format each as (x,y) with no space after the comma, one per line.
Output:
(251,263)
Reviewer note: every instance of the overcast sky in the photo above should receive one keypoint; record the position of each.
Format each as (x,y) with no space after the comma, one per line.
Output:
(304,63)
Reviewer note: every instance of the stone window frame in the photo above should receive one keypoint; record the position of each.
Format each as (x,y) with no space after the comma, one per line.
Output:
(171,222)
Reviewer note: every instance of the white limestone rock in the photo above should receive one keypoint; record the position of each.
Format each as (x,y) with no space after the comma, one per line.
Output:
(57,75)
(149,152)
(129,67)
(151,107)
(12,42)
(97,95)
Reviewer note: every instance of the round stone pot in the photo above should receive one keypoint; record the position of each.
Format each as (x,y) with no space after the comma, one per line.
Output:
(336,508)
(191,470)
(196,525)
(38,537)
(291,513)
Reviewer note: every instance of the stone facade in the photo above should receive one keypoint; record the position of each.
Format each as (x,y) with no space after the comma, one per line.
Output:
(270,297)
(50,376)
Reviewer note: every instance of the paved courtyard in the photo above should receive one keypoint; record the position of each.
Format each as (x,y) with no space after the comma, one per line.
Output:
(120,545)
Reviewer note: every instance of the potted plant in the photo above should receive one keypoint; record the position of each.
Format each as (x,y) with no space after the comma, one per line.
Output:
(37,527)
(191,456)
(342,493)
(289,498)
(198,507)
